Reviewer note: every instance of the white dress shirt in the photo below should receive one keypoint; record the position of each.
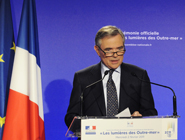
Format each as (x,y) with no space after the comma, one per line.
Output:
(116,78)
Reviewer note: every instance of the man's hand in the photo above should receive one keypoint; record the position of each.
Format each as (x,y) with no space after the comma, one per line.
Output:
(136,113)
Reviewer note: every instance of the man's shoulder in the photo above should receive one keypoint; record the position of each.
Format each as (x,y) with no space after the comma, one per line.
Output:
(91,68)
(131,67)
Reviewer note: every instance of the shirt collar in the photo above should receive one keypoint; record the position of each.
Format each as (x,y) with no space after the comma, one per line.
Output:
(104,68)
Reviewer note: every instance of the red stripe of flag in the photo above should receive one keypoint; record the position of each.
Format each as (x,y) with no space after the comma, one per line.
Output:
(27,116)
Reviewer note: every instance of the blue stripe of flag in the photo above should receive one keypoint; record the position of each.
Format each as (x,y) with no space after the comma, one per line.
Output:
(28,30)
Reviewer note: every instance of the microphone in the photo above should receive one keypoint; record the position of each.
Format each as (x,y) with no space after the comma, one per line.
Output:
(82,95)
(174,96)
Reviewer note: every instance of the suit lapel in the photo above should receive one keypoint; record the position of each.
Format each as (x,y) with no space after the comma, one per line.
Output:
(98,89)
(124,78)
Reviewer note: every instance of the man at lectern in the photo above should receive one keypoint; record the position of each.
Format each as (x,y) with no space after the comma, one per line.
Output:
(120,87)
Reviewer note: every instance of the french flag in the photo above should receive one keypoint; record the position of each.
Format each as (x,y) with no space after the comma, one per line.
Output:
(90,127)
(24,117)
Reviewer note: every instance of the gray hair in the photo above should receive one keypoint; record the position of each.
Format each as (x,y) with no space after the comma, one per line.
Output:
(108,31)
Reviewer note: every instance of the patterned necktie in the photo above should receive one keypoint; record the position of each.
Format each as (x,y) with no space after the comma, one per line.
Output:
(112,100)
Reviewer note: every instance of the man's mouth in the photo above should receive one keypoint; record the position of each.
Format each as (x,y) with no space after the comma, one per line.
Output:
(114,61)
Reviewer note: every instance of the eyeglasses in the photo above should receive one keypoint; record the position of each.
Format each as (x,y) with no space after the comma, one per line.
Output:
(119,53)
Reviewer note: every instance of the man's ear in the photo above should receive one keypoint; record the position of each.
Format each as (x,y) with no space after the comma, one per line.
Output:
(97,50)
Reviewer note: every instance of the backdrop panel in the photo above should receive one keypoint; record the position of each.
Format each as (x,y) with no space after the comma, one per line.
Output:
(154,41)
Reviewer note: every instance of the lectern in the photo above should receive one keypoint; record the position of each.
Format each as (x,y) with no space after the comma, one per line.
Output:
(129,128)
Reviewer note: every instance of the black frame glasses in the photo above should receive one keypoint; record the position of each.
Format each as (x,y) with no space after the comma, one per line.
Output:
(119,53)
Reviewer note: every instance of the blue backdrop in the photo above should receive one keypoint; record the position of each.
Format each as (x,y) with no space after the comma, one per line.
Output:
(155,41)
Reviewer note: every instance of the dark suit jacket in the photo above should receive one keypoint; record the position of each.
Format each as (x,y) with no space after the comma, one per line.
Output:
(134,93)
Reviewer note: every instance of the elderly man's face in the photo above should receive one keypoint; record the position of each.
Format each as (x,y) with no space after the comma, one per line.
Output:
(111,44)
